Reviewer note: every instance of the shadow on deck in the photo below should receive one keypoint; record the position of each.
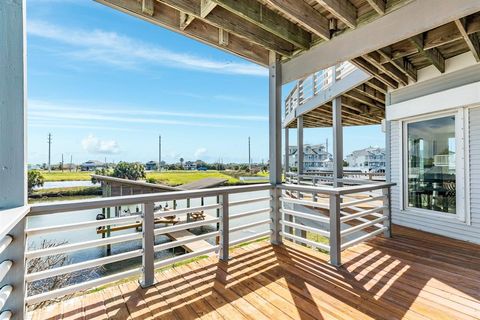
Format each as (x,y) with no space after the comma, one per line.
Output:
(414,275)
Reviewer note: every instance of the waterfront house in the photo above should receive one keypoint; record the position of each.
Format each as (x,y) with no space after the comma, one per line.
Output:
(315,157)
(371,159)
(92,165)
(151,165)
(412,65)
(190,165)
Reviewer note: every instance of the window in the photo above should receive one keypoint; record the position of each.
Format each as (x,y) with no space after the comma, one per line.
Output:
(432,172)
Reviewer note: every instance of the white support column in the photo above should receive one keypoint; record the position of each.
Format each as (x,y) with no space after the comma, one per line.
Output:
(13,185)
(13,181)
(148,243)
(275,141)
(337,135)
(300,147)
(287,152)
(335,228)
(224,228)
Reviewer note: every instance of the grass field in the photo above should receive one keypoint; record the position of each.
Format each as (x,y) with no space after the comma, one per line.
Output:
(66,176)
(176,178)
(171,178)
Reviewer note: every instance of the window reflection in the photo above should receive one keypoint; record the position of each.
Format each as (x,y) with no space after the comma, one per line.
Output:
(431,164)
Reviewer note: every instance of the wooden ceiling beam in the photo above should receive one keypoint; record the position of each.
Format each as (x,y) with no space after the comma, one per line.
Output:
(260,15)
(363,99)
(185,20)
(206,6)
(343,10)
(388,68)
(433,55)
(471,40)
(377,5)
(377,85)
(148,7)
(224,19)
(304,15)
(199,30)
(371,93)
(368,67)
(401,64)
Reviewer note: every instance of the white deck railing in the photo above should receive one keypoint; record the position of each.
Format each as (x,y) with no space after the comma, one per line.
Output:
(311,86)
(346,215)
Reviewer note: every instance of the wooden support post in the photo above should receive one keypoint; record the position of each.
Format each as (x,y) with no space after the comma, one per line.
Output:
(224,228)
(275,142)
(335,228)
(148,243)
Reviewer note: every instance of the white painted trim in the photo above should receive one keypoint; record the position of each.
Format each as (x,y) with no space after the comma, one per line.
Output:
(462,210)
(466,127)
(464,96)
(411,19)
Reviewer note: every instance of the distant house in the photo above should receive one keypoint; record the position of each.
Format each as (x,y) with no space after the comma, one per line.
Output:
(371,159)
(190,165)
(92,165)
(315,157)
(151,166)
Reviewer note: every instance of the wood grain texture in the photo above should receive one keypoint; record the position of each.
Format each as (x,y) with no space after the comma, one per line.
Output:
(415,275)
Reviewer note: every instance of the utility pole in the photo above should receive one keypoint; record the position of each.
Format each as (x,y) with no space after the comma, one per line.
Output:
(249,155)
(159,153)
(49,152)
(71,162)
(62,162)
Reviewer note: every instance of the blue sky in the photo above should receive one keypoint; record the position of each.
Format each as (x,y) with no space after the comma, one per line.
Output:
(105,85)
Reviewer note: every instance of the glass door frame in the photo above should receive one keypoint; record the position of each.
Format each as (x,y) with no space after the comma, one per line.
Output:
(461,163)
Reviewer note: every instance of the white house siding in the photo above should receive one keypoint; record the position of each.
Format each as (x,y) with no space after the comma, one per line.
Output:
(468,230)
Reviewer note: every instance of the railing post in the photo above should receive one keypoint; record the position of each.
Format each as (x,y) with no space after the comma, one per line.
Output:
(335,228)
(224,228)
(148,243)
(387,203)
(15,277)
(275,216)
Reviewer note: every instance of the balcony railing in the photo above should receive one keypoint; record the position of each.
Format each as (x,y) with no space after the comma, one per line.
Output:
(347,216)
(309,87)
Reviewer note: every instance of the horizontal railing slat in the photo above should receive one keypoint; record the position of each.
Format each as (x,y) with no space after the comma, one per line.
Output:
(363,238)
(31,300)
(360,201)
(305,215)
(251,237)
(185,226)
(84,225)
(250,225)
(66,206)
(361,214)
(305,241)
(305,228)
(30,277)
(250,213)
(362,226)
(81,245)
(248,201)
(190,255)
(161,214)
(177,243)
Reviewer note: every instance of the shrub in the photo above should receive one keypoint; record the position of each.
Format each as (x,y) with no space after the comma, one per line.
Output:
(35,179)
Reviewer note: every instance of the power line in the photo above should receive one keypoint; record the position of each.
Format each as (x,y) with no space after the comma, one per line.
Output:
(49,152)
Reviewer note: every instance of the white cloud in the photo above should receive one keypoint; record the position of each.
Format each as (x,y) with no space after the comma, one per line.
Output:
(101,46)
(199,153)
(94,145)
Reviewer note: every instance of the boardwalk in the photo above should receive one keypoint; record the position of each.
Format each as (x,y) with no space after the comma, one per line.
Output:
(415,275)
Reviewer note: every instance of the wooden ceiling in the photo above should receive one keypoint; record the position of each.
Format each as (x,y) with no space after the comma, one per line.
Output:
(252,28)
(397,65)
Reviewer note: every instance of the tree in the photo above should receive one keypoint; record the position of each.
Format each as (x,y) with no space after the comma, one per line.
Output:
(35,179)
(181,162)
(129,170)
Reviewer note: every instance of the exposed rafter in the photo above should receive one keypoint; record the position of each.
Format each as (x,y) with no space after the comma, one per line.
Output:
(223,37)
(148,7)
(368,67)
(433,55)
(304,15)
(377,5)
(472,40)
(401,64)
(206,6)
(387,68)
(222,18)
(259,14)
(185,20)
(343,10)
(198,29)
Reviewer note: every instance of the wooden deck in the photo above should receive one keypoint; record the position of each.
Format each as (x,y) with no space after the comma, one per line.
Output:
(415,275)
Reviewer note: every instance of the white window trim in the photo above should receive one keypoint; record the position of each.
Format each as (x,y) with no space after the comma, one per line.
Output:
(462,164)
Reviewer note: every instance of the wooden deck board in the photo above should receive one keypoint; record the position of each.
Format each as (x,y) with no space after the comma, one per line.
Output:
(414,275)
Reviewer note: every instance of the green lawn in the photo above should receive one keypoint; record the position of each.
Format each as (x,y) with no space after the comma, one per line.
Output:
(66,176)
(176,178)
